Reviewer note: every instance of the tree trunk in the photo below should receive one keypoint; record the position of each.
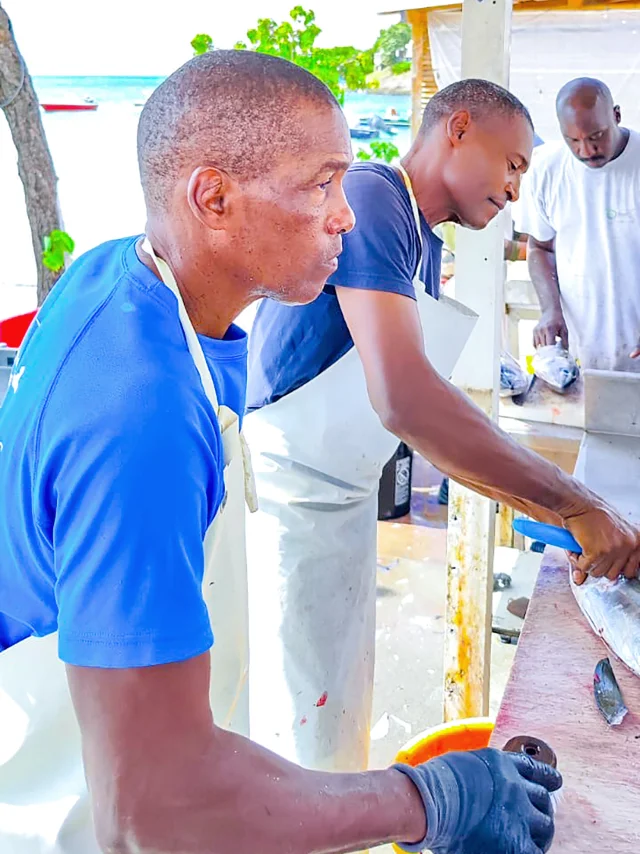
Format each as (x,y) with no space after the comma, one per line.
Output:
(35,166)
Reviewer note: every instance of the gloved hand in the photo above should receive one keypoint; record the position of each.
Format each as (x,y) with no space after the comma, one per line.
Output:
(485,802)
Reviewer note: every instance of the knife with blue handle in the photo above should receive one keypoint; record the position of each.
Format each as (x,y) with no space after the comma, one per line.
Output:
(550,535)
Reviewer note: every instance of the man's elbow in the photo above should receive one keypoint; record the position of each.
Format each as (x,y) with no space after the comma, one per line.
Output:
(120,829)
(114,836)
(395,413)
(406,406)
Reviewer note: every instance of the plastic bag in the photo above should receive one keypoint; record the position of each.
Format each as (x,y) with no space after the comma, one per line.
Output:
(513,379)
(555,366)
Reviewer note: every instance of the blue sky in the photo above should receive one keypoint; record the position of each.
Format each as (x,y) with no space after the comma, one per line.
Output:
(148,37)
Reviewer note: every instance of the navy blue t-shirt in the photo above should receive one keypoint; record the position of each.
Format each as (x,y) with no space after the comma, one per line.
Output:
(111,469)
(290,345)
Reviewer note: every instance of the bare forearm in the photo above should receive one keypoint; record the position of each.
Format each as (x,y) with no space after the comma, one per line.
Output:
(240,797)
(458,438)
(544,276)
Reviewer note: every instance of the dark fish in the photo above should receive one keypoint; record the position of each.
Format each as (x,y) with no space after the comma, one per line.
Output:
(513,380)
(608,694)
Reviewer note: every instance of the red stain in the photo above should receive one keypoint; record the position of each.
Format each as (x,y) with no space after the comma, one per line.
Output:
(303,721)
(323,699)
(596,678)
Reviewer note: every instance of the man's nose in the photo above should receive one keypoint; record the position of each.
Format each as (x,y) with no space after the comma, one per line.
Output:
(587,149)
(513,188)
(343,219)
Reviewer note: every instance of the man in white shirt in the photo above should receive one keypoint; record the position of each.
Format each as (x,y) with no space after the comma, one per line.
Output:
(580,206)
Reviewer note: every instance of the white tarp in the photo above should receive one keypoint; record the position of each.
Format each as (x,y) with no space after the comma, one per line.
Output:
(550,48)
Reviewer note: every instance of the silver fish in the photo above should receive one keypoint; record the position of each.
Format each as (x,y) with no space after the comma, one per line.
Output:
(555,366)
(613,609)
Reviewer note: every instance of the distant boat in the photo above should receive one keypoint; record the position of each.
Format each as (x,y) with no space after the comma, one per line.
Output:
(398,123)
(392,119)
(77,106)
(363,133)
(378,124)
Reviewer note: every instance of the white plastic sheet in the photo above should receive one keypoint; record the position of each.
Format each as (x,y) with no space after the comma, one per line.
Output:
(550,48)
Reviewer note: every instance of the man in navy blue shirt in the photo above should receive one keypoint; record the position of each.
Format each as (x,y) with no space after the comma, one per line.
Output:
(332,385)
(122,485)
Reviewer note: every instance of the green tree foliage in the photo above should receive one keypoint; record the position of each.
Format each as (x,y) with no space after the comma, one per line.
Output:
(401,67)
(392,44)
(201,44)
(341,68)
(386,151)
(56,245)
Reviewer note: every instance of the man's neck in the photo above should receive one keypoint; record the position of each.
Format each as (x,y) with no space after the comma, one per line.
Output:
(210,294)
(622,143)
(431,194)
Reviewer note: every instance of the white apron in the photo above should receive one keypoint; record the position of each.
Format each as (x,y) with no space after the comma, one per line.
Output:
(44,805)
(318,456)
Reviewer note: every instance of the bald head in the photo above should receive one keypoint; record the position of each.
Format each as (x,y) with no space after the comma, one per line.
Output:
(590,121)
(582,93)
(239,111)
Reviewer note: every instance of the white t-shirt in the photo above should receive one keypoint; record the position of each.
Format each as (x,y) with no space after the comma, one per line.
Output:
(594,214)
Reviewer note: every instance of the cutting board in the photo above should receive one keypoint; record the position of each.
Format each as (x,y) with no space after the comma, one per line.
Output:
(550,695)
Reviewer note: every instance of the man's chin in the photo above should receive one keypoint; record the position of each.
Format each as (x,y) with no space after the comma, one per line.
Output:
(299,294)
(478,223)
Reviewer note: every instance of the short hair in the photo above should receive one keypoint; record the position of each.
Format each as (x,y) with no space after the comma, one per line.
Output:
(235,109)
(480,98)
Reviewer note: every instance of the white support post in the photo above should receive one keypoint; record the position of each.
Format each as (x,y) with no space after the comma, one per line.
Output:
(480,274)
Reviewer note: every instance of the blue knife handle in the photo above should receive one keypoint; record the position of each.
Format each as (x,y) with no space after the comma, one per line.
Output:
(548,534)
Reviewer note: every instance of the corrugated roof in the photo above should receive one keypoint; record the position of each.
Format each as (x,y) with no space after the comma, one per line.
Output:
(442,4)
(424,4)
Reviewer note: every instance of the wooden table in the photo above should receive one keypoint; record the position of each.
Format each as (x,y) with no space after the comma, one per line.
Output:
(545,406)
(550,695)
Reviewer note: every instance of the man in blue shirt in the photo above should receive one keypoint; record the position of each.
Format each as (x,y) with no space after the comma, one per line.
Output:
(122,484)
(332,385)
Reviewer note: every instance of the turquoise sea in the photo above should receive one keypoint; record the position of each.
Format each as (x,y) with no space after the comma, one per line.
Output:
(135,90)
(94,154)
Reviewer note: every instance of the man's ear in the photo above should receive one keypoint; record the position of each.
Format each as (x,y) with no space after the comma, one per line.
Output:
(208,193)
(458,125)
(617,112)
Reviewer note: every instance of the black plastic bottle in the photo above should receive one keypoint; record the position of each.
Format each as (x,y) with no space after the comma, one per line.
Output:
(394,493)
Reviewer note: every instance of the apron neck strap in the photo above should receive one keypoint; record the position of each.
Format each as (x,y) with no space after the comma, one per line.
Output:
(412,199)
(193,343)
(416,215)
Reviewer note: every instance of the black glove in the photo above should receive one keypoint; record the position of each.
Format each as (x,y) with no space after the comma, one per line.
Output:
(485,802)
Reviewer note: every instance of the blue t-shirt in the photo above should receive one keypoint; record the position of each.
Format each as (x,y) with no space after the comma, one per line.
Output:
(111,469)
(290,345)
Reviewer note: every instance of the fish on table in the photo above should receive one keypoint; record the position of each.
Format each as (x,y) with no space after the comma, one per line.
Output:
(611,607)
(613,610)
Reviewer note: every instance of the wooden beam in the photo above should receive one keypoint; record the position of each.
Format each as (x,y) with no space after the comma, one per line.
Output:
(419,30)
(480,273)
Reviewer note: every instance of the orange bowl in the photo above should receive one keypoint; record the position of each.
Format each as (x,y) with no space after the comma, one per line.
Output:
(467,734)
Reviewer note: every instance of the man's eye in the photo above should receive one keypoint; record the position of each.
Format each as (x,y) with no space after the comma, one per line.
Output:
(325,184)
